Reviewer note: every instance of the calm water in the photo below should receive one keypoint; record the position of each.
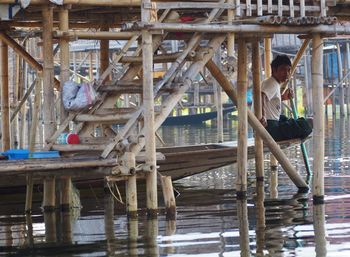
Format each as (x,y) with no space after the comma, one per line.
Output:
(210,221)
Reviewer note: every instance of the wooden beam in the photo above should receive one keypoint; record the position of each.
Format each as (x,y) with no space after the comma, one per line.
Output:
(83,2)
(98,35)
(247,28)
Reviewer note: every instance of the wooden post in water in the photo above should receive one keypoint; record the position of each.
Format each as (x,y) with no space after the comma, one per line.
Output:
(340,77)
(268,72)
(148,113)
(242,151)
(5,105)
(259,146)
(66,182)
(48,98)
(318,128)
(131,185)
(169,198)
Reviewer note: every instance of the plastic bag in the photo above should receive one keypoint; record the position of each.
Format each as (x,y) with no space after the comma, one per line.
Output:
(76,97)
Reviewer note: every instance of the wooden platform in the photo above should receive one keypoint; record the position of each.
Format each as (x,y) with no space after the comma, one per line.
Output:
(177,162)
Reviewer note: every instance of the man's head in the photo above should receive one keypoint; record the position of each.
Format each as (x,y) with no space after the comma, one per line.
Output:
(281,68)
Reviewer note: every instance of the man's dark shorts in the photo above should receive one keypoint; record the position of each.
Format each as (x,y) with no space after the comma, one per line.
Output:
(286,128)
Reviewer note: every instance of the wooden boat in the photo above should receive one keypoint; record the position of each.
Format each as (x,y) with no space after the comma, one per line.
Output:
(177,162)
(194,118)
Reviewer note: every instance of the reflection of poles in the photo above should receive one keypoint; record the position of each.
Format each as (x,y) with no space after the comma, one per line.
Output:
(29,222)
(242,215)
(260,219)
(319,230)
(50,226)
(66,220)
(151,234)
(274,184)
(133,235)
(109,223)
(170,229)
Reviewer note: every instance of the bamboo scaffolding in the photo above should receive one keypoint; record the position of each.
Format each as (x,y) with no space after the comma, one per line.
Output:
(255,123)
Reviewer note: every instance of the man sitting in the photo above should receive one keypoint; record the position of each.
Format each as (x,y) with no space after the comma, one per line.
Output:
(279,126)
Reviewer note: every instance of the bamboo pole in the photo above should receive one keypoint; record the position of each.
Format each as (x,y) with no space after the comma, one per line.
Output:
(127,3)
(148,113)
(230,37)
(348,80)
(242,85)
(340,29)
(259,146)
(48,98)
(340,76)
(218,102)
(97,35)
(104,53)
(318,128)
(169,198)
(64,54)
(268,72)
(131,185)
(32,139)
(255,123)
(5,105)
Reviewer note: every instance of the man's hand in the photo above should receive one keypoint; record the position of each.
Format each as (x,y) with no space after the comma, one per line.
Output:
(263,121)
(288,94)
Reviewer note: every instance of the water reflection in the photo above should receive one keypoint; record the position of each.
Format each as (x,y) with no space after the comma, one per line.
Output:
(274,221)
